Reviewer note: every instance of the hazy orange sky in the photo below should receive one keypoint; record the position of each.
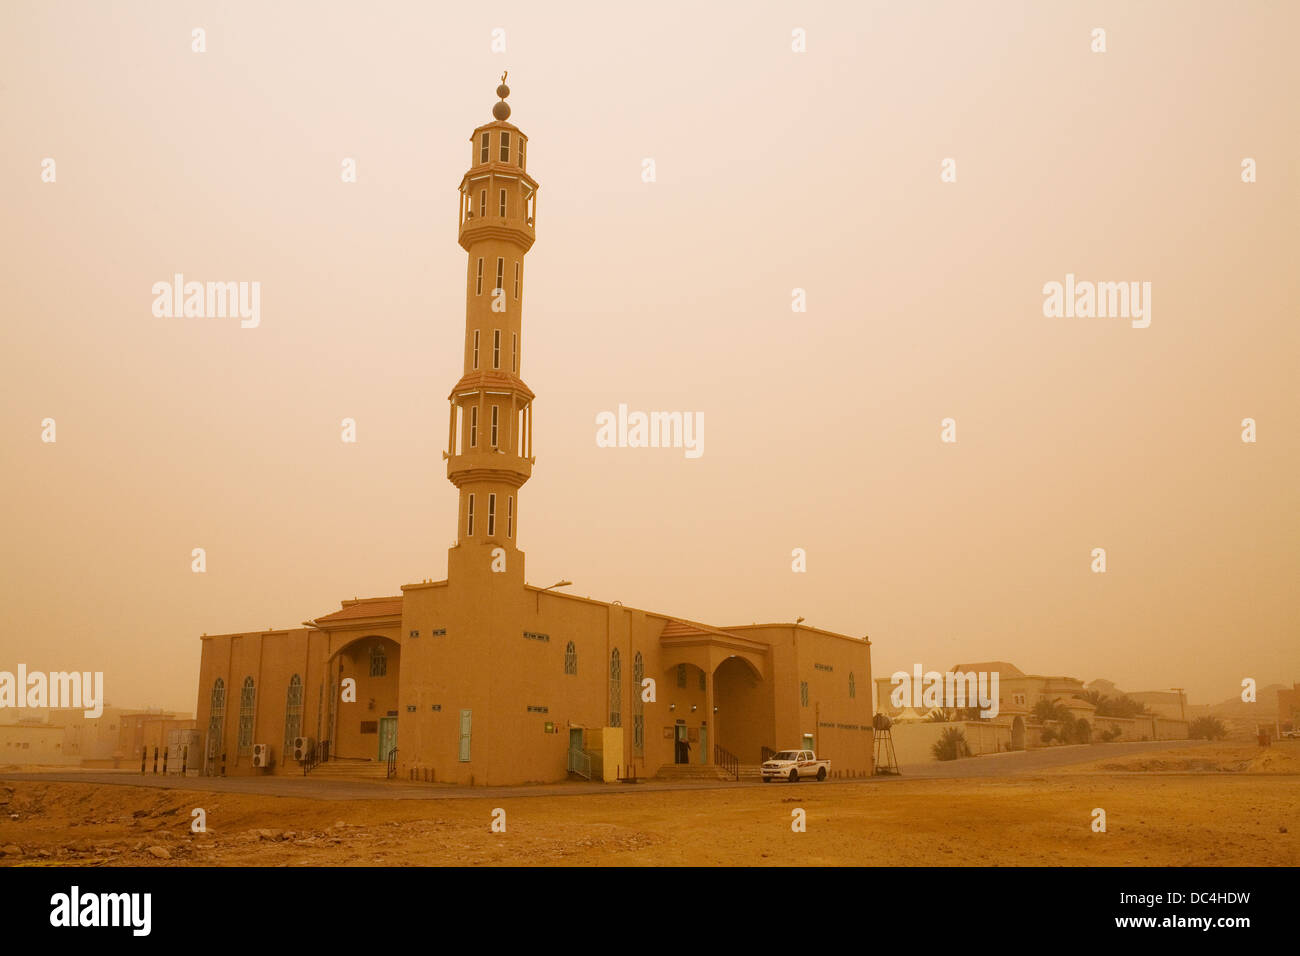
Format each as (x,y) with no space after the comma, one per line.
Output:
(775,170)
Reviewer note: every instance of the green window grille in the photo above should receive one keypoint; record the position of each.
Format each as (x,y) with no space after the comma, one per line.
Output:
(378,661)
(570,659)
(615,690)
(216,717)
(638,707)
(247,697)
(803,692)
(292,713)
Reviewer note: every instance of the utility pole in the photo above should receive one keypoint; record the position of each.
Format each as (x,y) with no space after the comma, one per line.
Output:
(1182,708)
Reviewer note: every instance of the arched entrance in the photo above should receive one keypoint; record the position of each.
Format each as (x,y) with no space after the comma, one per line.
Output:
(364,728)
(745,721)
(1018,733)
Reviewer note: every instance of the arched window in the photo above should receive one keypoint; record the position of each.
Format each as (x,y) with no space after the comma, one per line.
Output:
(216,717)
(378,661)
(247,697)
(292,714)
(615,691)
(570,659)
(638,707)
(853,690)
(803,693)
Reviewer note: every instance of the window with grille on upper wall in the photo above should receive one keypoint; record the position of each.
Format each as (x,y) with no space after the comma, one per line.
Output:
(496,416)
(476,341)
(469,524)
(803,693)
(496,350)
(492,515)
(505,147)
(681,676)
(484,152)
(473,426)
(478,285)
(853,688)
(570,658)
(378,661)
(503,204)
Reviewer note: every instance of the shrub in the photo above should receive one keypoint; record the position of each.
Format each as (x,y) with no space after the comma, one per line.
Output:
(1207,728)
(950,745)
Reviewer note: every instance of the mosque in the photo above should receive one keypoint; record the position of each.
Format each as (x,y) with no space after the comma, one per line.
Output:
(483,679)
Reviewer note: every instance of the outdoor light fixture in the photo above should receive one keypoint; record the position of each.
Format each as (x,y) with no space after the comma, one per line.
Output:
(692,708)
(715,708)
(557,584)
(672,706)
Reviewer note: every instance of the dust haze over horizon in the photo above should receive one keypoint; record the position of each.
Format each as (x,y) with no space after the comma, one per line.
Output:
(775,170)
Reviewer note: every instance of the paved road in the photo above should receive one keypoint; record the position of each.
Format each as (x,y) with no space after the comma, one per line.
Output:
(991,766)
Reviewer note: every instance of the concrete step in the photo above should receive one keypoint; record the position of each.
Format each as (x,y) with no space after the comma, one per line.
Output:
(351,769)
(691,771)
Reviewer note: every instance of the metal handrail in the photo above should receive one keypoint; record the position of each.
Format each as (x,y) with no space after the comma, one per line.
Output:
(392,763)
(727,761)
(768,753)
(319,754)
(580,762)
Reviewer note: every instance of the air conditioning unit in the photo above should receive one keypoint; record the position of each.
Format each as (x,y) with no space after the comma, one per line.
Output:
(261,755)
(302,748)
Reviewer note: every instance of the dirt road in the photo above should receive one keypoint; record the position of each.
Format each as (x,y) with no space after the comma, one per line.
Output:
(1223,805)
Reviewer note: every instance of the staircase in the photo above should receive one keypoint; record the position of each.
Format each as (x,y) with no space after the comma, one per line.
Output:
(350,768)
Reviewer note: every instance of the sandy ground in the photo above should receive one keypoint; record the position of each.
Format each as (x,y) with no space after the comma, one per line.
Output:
(1226,805)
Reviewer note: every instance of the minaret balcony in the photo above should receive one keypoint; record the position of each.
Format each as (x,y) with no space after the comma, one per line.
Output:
(478,229)
(488,465)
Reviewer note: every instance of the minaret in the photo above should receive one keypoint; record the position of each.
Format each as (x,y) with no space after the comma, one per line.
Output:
(490,436)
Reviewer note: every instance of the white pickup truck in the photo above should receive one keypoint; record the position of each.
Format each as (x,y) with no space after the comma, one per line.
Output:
(792,764)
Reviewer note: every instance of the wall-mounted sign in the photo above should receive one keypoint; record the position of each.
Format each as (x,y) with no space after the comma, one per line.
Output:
(550,727)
